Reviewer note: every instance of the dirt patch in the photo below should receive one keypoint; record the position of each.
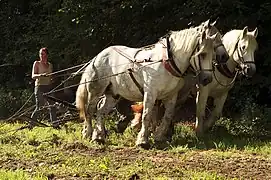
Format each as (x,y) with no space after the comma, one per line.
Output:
(173,165)
(236,165)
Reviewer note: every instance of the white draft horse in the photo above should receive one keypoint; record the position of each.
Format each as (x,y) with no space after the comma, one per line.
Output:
(241,45)
(221,57)
(148,81)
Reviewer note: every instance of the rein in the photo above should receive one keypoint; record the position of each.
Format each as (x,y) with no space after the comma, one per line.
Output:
(226,85)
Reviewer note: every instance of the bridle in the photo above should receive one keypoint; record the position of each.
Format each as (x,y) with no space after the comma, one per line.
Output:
(198,69)
(241,57)
(225,71)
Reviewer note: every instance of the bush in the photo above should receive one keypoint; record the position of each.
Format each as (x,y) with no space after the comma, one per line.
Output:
(11,101)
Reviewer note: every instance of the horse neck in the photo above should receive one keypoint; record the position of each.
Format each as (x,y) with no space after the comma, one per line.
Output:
(181,57)
(231,64)
(230,41)
(183,61)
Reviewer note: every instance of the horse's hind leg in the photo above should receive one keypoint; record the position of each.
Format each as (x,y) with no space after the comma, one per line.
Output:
(104,107)
(87,128)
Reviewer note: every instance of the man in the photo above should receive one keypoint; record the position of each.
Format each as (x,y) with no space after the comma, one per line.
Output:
(43,83)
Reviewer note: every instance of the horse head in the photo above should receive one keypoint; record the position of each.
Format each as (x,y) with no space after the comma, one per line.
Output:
(247,46)
(202,59)
(243,51)
(221,54)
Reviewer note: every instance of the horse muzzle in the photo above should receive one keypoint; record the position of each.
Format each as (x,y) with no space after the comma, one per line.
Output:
(205,77)
(249,69)
(222,55)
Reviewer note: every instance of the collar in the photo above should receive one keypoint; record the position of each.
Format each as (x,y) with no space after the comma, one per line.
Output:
(223,69)
(169,63)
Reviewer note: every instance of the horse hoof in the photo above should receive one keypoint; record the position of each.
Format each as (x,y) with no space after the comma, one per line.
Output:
(145,146)
(99,141)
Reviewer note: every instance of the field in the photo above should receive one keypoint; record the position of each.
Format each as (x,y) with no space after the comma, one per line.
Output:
(47,153)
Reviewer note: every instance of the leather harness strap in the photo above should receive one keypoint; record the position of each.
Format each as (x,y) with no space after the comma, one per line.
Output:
(169,63)
(223,69)
(140,88)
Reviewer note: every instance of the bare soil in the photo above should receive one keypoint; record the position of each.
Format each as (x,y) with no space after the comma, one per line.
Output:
(236,165)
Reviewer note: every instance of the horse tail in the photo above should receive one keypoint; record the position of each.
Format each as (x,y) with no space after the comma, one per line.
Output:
(82,98)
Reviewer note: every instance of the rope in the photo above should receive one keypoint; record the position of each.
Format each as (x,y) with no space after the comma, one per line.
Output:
(64,70)
(226,85)
(21,107)
(102,78)
(71,76)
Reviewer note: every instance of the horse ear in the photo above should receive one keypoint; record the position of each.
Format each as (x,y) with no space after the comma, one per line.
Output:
(213,36)
(203,35)
(207,23)
(245,31)
(212,24)
(255,32)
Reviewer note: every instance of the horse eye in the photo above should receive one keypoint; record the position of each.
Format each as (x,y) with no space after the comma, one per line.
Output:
(243,47)
(203,55)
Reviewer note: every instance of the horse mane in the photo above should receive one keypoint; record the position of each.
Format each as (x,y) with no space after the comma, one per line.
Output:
(213,30)
(231,38)
(185,40)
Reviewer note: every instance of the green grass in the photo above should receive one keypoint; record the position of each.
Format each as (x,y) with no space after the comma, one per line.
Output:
(46,153)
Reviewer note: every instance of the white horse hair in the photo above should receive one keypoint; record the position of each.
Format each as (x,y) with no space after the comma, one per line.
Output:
(156,81)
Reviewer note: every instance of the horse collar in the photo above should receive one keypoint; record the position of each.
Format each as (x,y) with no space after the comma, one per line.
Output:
(169,63)
(223,69)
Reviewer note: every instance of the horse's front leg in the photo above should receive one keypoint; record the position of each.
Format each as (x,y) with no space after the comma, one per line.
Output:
(217,111)
(201,100)
(104,107)
(143,135)
(162,130)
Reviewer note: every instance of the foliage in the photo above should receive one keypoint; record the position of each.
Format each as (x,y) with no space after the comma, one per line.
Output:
(75,31)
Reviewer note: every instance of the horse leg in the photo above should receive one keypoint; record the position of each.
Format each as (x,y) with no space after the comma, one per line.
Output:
(126,115)
(216,113)
(163,129)
(104,107)
(143,135)
(201,100)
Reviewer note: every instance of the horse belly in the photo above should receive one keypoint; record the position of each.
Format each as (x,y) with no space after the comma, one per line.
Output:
(126,88)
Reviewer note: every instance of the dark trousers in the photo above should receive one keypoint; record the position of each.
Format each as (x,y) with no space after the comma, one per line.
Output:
(40,101)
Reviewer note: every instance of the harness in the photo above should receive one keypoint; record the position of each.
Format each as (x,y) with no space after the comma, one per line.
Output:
(224,70)
(169,63)
(167,60)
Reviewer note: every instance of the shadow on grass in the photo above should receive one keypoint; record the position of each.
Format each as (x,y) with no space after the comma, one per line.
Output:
(218,138)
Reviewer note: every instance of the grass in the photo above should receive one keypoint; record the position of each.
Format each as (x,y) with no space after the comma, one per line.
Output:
(46,153)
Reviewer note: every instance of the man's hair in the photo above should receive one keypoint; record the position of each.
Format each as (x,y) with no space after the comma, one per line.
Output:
(45,50)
